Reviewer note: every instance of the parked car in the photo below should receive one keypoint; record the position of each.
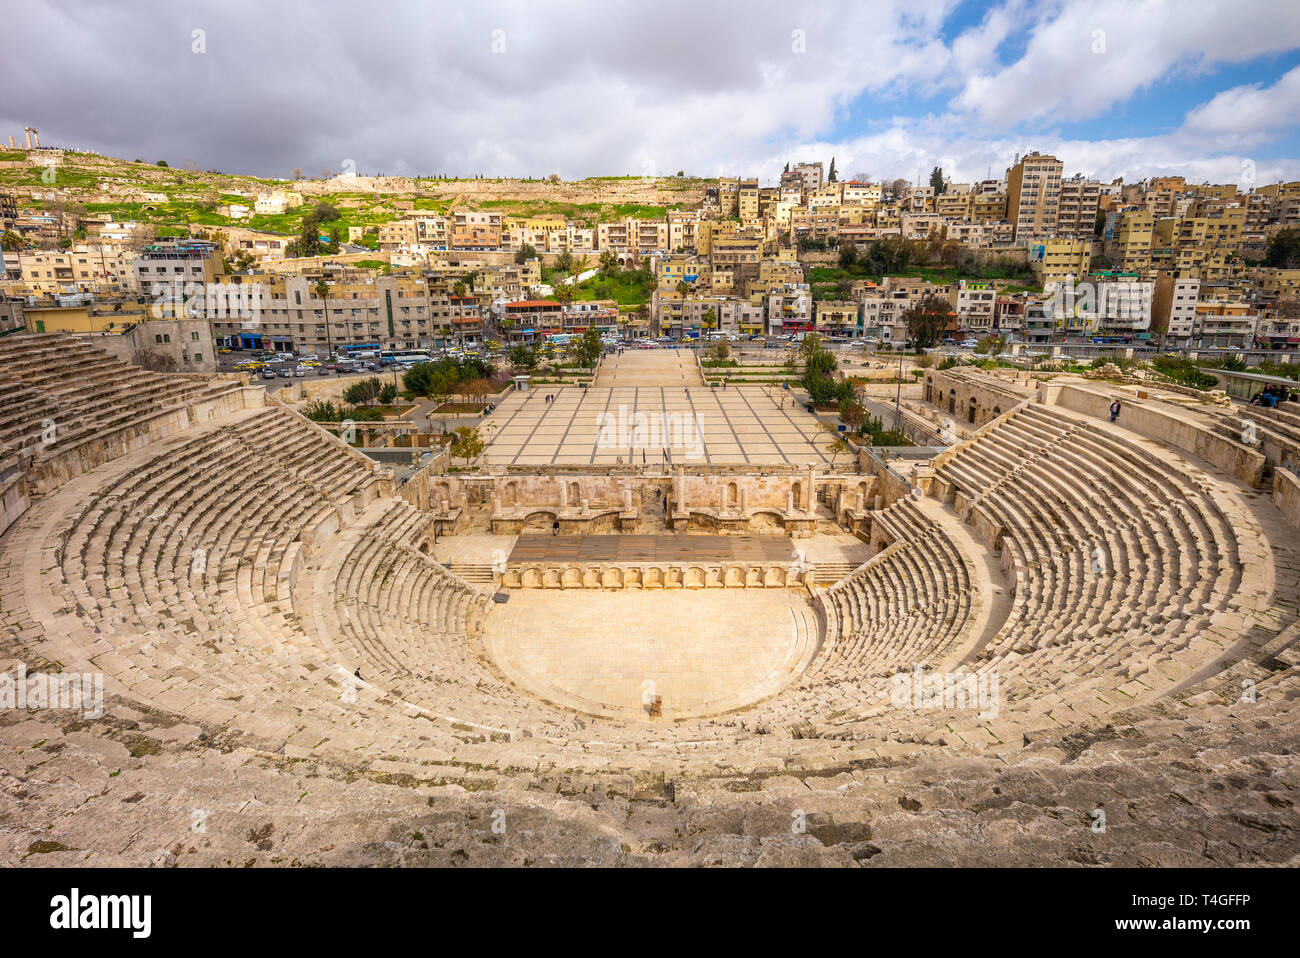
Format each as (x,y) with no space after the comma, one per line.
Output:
(268,373)
(322,370)
(285,374)
(302,371)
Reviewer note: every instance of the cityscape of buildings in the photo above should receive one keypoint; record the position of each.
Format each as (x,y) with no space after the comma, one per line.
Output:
(748,260)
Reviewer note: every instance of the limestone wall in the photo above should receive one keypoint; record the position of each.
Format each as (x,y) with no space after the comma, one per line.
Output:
(13,495)
(970,398)
(419,490)
(1286,495)
(1160,423)
(62,464)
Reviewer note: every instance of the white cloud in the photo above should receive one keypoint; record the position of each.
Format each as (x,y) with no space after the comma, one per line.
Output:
(594,88)
(1249,113)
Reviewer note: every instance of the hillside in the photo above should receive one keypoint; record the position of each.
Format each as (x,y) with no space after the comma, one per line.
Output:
(116,189)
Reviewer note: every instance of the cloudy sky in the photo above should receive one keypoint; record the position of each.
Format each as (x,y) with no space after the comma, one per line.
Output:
(1203,88)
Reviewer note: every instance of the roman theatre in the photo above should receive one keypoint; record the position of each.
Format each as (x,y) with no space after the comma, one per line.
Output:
(653,620)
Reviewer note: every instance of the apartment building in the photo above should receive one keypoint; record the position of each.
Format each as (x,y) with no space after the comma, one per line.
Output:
(860,194)
(1218,323)
(101,269)
(476,231)
(386,312)
(1033,196)
(177,261)
(838,318)
(1128,238)
(973,303)
(989,208)
(1275,284)
(1279,331)
(1054,260)
(728,196)
(747,202)
(633,237)
(811,174)
(789,309)
(398,233)
(683,230)
(953,205)
(1173,306)
(1077,208)
(275,202)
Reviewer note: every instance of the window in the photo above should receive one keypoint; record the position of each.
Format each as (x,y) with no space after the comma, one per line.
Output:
(194,337)
(198,357)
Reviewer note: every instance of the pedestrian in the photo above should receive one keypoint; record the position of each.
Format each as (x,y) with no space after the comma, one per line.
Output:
(357,673)
(1114,410)
(555,528)
(643,455)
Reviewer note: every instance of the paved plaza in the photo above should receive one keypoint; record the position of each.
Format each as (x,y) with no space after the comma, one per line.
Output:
(697,425)
(650,367)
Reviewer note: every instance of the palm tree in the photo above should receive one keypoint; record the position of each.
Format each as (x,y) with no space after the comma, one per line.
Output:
(322,290)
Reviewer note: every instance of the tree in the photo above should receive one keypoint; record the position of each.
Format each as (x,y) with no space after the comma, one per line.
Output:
(162,163)
(852,412)
(475,390)
(831,176)
(588,348)
(991,345)
(710,319)
(525,253)
(683,288)
(523,357)
(896,188)
(364,392)
(297,173)
(608,263)
(1283,250)
(722,351)
(927,320)
(11,241)
(322,291)
(467,444)
(848,255)
(787,168)
(936,181)
(837,444)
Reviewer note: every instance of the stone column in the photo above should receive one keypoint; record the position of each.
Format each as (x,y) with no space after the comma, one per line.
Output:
(564,494)
(679,489)
(722,500)
(812,479)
